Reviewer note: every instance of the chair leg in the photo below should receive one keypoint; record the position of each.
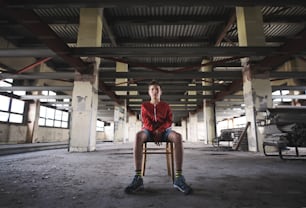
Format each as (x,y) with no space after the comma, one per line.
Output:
(168,157)
(172,161)
(144,158)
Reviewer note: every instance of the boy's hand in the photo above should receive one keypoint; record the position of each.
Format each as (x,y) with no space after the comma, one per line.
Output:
(157,137)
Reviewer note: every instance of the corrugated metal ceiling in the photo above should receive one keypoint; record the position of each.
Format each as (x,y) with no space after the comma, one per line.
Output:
(161,27)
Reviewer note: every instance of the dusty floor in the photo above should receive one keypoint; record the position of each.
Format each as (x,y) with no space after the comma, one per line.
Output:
(56,178)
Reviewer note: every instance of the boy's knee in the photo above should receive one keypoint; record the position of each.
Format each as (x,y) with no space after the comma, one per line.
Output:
(140,136)
(178,138)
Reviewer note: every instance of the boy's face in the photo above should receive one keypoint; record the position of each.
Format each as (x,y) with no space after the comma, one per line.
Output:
(155,91)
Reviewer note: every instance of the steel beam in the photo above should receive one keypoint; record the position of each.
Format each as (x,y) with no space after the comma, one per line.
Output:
(36,88)
(168,97)
(142,52)
(26,52)
(40,97)
(172,76)
(172,51)
(169,88)
(298,88)
(42,75)
(141,3)
(293,46)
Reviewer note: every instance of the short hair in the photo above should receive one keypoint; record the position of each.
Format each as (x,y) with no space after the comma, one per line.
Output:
(154,82)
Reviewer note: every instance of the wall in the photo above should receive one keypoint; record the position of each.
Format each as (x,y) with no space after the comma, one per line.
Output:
(46,134)
(16,134)
(100,136)
(109,132)
(201,132)
(12,133)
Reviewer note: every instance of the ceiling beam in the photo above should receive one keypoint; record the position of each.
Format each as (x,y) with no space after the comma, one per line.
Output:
(39,97)
(141,3)
(145,52)
(169,88)
(173,51)
(168,20)
(171,102)
(46,35)
(41,75)
(168,97)
(271,62)
(109,31)
(285,52)
(173,76)
(36,88)
(282,87)
(30,20)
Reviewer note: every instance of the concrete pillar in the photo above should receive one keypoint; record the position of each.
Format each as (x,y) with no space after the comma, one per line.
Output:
(192,127)
(85,90)
(33,110)
(184,129)
(193,118)
(208,109)
(256,89)
(32,123)
(133,128)
(120,112)
(250,26)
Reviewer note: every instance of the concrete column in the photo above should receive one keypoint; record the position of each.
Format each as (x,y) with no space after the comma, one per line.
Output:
(250,26)
(132,127)
(85,90)
(256,89)
(120,112)
(192,127)
(33,118)
(33,111)
(208,109)
(193,118)
(184,129)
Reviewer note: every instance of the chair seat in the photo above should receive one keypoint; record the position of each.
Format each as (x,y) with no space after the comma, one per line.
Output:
(168,151)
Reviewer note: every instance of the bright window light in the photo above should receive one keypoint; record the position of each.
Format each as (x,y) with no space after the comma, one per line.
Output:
(4,116)
(15,118)
(5,103)
(17,106)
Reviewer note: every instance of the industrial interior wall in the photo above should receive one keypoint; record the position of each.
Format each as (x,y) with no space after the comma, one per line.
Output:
(16,134)
(48,134)
(12,133)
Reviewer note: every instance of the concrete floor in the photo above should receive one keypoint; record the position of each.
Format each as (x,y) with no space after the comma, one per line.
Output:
(56,178)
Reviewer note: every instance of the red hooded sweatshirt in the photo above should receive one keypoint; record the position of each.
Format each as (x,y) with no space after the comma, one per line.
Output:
(156,117)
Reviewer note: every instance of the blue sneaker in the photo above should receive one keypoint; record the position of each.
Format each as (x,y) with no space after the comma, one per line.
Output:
(181,185)
(136,185)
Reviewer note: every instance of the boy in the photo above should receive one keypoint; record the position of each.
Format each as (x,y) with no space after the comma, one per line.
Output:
(157,120)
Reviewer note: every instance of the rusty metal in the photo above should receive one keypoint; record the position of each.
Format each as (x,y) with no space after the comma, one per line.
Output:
(31,66)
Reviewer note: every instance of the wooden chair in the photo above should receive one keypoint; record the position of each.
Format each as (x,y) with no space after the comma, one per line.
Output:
(168,151)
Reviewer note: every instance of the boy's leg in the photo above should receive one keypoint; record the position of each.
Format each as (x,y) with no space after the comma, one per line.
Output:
(141,137)
(137,183)
(178,150)
(179,182)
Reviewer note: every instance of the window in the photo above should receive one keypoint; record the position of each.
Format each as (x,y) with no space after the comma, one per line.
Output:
(281,92)
(52,117)
(11,109)
(100,126)
(5,103)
